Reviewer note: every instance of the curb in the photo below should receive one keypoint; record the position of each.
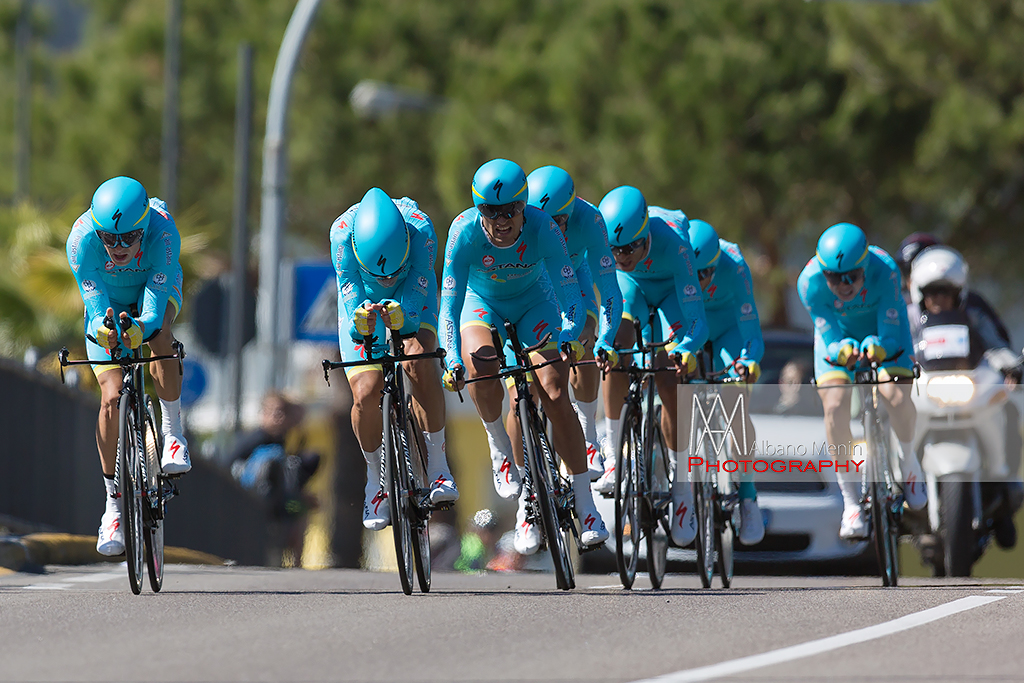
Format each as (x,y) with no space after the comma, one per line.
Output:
(31,552)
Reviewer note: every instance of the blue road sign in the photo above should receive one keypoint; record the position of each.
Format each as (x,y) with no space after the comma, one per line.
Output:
(315,302)
(193,381)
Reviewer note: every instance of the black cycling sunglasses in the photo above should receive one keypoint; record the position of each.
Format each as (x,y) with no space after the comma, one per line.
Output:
(938,290)
(705,273)
(111,239)
(850,277)
(627,249)
(510,210)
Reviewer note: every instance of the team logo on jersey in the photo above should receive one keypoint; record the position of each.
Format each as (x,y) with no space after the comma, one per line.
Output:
(347,288)
(837,303)
(820,322)
(746,309)
(108,266)
(488,261)
(429,243)
(449,282)
(88,285)
(689,290)
(606,261)
(422,281)
(567,272)
(892,314)
(159,279)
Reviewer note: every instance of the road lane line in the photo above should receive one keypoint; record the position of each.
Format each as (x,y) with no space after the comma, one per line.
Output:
(94,578)
(1007,591)
(815,647)
(47,586)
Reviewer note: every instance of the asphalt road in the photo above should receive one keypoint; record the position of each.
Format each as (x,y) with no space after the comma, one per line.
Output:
(232,624)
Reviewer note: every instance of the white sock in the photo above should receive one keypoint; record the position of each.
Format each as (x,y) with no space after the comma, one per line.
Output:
(682,491)
(373,466)
(497,438)
(849,484)
(170,416)
(678,459)
(613,427)
(437,461)
(584,498)
(587,412)
(111,486)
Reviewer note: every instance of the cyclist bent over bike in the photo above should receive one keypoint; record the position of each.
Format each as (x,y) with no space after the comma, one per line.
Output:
(734,329)
(553,191)
(124,254)
(852,293)
(656,269)
(383,252)
(496,267)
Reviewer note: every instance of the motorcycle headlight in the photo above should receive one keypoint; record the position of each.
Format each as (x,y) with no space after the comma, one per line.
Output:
(950,390)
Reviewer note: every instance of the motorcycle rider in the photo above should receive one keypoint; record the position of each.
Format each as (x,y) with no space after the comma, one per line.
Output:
(938,283)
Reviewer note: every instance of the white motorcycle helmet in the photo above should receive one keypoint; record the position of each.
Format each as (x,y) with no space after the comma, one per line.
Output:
(938,265)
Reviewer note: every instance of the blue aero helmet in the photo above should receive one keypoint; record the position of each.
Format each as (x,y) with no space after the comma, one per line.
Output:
(704,241)
(842,248)
(380,237)
(552,191)
(499,181)
(625,214)
(120,205)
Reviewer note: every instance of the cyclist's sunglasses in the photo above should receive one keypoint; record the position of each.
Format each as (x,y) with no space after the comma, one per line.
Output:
(850,277)
(493,211)
(627,249)
(111,239)
(705,273)
(562,220)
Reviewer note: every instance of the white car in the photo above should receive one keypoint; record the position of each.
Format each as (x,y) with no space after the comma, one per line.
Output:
(802,511)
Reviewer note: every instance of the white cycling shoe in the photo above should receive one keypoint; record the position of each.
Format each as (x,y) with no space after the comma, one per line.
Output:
(751,522)
(592,529)
(175,458)
(915,493)
(854,526)
(595,462)
(526,539)
(605,484)
(110,539)
(506,476)
(684,521)
(443,489)
(376,509)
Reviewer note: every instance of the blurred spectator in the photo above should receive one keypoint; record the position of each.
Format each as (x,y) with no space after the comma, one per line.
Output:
(480,549)
(260,463)
(792,377)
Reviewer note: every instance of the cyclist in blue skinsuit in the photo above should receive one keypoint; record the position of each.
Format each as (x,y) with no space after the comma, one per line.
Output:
(656,268)
(124,254)
(496,268)
(553,191)
(735,334)
(383,252)
(852,292)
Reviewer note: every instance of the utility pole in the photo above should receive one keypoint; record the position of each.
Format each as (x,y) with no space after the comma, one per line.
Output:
(23,105)
(169,137)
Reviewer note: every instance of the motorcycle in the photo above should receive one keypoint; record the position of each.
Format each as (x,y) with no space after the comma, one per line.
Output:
(961,438)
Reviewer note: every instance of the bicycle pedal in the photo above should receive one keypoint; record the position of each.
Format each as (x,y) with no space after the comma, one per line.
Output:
(592,547)
(607,495)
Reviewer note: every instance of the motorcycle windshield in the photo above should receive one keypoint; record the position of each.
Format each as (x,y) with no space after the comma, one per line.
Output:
(946,342)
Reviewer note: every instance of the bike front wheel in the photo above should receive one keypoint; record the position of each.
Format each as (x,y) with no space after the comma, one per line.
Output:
(659,495)
(627,494)
(153,533)
(884,523)
(397,478)
(129,485)
(421,530)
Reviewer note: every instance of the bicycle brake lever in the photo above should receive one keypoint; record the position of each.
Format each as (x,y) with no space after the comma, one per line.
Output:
(326,365)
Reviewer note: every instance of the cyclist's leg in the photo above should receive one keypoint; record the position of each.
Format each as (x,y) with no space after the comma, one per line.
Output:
(478,314)
(167,384)
(903,418)
(428,403)
(110,538)
(587,379)
(366,383)
(835,390)
(616,384)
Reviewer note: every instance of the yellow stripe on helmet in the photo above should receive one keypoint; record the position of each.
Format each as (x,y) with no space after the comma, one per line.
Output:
(565,206)
(638,232)
(144,214)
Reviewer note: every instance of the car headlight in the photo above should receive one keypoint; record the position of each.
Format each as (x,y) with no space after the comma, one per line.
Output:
(950,390)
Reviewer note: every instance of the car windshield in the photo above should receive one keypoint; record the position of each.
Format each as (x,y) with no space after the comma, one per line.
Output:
(785,385)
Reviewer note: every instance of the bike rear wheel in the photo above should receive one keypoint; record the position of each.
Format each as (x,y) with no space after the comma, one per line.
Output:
(627,495)
(659,495)
(418,472)
(546,485)
(397,478)
(153,530)
(726,526)
(129,486)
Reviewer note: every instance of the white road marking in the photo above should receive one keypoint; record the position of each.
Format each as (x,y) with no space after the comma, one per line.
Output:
(1007,591)
(815,647)
(47,586)
(95,578)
